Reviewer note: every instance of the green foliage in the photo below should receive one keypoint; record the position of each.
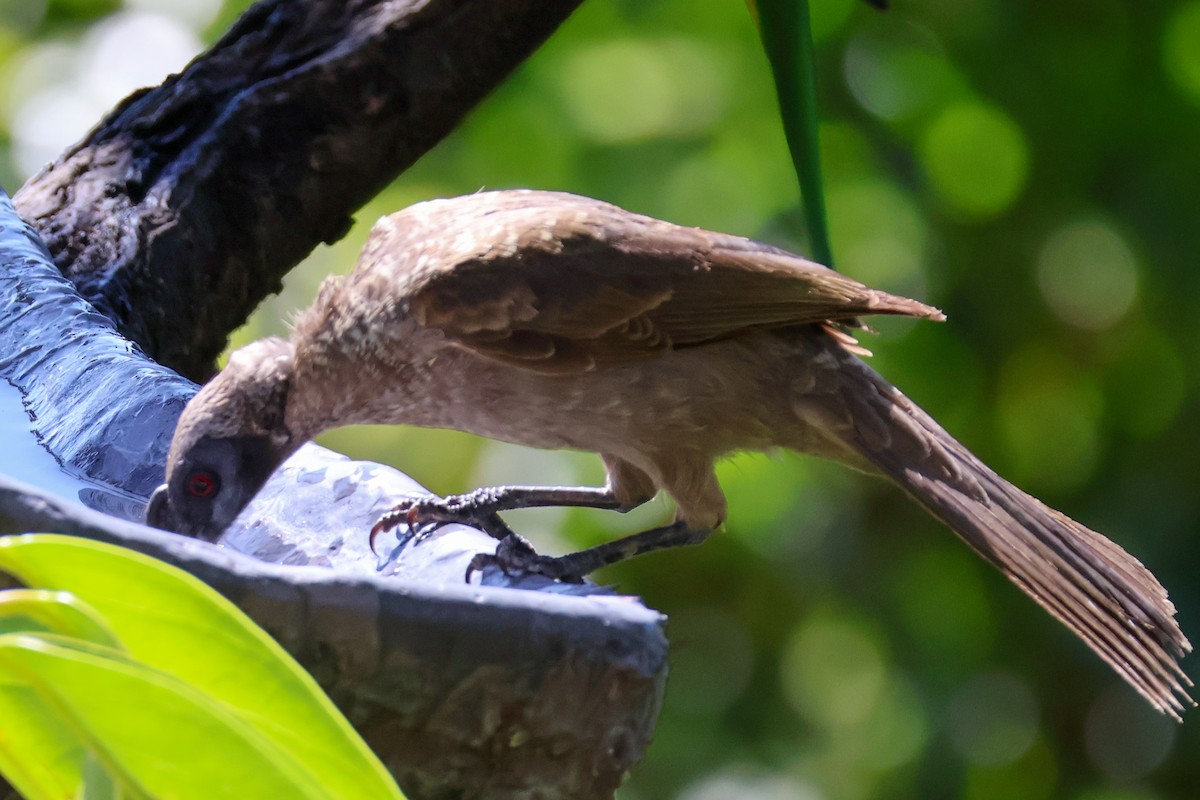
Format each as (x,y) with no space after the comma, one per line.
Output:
(120,671)
(1028,167)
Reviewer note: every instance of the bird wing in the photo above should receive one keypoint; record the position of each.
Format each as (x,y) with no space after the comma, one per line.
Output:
(609,286)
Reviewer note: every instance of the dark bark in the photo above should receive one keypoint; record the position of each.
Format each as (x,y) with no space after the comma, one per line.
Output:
(185,207)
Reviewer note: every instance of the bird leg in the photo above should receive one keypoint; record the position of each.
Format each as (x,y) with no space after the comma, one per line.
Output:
(515,556)
(478,508)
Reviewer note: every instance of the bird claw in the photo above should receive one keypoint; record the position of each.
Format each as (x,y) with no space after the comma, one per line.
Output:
(515,557)
(421,516)
(425,514)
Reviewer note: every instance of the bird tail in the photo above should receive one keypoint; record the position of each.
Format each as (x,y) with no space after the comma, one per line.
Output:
(1088,582)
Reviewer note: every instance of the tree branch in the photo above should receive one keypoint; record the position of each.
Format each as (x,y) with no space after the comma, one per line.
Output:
(186,205)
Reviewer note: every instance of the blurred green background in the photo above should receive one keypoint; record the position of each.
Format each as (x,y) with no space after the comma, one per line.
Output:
(1032,168)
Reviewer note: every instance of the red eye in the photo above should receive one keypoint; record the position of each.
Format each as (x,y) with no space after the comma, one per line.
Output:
(202,484)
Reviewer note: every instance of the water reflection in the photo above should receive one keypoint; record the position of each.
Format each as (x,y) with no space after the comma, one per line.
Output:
(24,458)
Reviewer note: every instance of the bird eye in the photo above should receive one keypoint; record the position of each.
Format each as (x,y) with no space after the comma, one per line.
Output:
(202,483)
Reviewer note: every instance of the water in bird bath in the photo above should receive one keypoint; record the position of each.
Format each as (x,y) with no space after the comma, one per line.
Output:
(22,457)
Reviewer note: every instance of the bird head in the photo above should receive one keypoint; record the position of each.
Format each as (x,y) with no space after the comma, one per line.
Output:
(230,438)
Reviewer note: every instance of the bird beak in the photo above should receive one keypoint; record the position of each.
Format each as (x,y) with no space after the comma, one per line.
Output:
(159,513)
(162,515)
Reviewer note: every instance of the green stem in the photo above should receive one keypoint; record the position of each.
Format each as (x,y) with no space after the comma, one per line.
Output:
(787,39)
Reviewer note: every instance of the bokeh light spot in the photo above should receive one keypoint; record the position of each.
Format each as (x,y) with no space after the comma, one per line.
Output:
(1048,412)
(28,71)
(48,122)
(993,719)
(757,482)
(500,463)
(745,199)
(878,234)
(522,141)
(195,14)
(900,82)
(1126,739)
(833,670)
(71,88)
(746,784)
(1181,49)
(20,16)
(897,729)
(131,50)
(976,159)
(629,89)
(1088,274)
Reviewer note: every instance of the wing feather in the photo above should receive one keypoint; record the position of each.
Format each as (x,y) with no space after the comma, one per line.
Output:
(567,284)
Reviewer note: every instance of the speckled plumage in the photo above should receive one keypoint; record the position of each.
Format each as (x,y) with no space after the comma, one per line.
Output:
(557,321)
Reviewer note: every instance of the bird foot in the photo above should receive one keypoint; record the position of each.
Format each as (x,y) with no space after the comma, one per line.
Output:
(514,556)
(425,514)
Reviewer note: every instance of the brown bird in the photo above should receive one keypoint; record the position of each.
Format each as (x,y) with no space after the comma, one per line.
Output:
(556,321)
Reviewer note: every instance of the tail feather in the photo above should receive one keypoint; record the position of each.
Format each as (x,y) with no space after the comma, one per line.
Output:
(1086,581)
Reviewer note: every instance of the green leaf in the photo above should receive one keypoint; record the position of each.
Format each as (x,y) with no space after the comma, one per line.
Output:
(173,622)
(36,610)
(784,28)
(40,755)
(98,783)
(155,733)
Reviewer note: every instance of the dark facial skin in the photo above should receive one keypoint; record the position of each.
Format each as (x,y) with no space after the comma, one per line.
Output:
(211,485)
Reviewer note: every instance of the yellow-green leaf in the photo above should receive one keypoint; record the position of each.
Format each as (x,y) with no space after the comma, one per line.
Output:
(153,731)
(39,754)
(173,622)
(34,610)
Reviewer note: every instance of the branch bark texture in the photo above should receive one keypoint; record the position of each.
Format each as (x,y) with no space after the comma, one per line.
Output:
(185,207)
